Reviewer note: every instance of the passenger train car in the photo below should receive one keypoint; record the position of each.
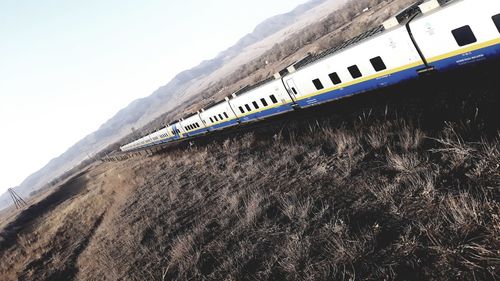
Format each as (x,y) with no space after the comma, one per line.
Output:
(437,36)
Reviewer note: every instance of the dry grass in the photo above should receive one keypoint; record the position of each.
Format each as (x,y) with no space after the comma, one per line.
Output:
(340,205)
(357,195)
(285,209)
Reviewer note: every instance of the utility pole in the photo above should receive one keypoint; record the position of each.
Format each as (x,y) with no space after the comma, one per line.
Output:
(18,200)
(90,157)
(134,133)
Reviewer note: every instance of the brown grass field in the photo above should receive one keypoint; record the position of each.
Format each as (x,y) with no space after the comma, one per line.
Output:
(395,185)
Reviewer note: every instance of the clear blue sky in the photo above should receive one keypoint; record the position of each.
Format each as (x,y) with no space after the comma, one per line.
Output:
(66,66)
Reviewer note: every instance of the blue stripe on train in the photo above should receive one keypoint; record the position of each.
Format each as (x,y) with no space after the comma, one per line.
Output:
(195,133)
(372,84)
(488,53)
(223,125)
(380,82)
(266,113)
(476,56)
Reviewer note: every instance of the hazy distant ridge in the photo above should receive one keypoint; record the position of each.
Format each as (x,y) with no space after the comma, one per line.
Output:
(143,110)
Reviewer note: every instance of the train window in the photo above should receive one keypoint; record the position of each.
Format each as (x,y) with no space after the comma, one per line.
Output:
(215,117)
(354,70)
(211,120)
(225,115)
(241,109)
(263,101)
(255,105)
(335,78)
(294,91)
(378,64)
(464,35)
(273,99)
(248,107)
(496,20)
(197,125)
(220,117)
(317,83)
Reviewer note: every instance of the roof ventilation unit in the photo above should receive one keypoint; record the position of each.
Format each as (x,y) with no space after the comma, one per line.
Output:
(429,6)
(403,16)
(390,23)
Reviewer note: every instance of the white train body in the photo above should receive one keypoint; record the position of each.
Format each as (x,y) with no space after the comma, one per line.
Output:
(460,33)
(192,126)
(434,32)
(219,116)
(394,49)
(258,103)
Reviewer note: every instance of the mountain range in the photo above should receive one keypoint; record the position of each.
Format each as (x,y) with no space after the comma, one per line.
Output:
(176,92)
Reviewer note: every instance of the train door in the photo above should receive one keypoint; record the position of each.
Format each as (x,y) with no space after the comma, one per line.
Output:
(292,89)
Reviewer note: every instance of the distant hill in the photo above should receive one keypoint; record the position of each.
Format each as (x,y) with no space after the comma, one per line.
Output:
(141,111)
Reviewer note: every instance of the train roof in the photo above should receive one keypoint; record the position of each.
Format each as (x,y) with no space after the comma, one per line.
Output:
(248,88)
(313,58)
(213,103)
(402,17)
(189,115)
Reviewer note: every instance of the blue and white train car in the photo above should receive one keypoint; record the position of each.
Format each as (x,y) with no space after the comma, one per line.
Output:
(436,39)
(161,136)
(219,116)
(387,58)
(461,33)
(192,126)
(261,101)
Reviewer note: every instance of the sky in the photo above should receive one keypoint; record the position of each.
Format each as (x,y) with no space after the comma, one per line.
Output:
(67,66)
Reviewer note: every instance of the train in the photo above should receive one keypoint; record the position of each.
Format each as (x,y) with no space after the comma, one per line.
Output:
(429,36)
